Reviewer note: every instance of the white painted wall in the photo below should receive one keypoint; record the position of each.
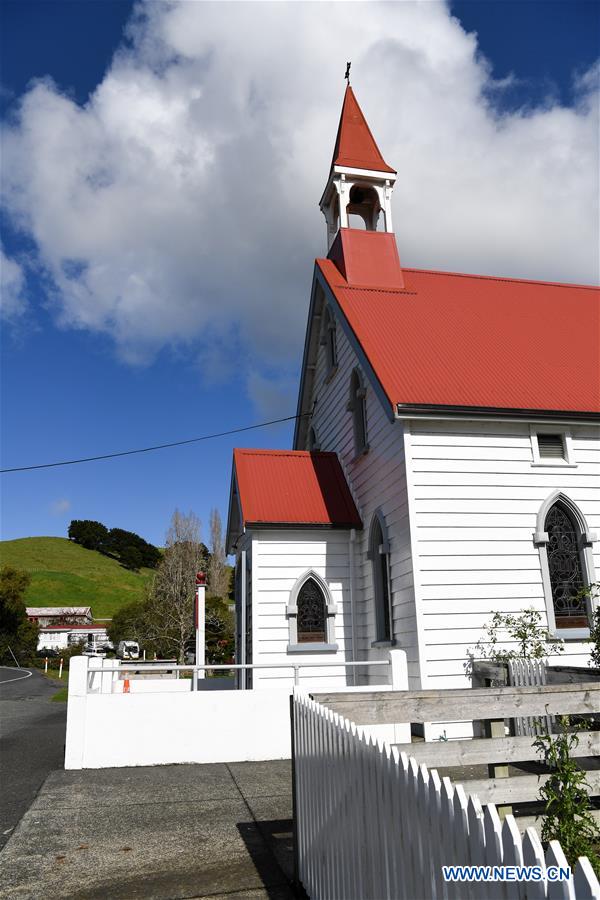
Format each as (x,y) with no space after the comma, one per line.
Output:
(151,725)
(279,559)
(377,481)
(475,496)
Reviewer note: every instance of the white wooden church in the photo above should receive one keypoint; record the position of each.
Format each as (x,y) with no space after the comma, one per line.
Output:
(446,459)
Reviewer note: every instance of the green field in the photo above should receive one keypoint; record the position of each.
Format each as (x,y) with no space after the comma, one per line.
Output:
(64,574)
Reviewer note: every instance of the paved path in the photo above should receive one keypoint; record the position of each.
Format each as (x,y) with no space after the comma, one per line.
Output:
(158,833)
(32,739)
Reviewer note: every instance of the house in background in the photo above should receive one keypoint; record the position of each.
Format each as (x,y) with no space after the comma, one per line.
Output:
(61,637)
(446,459)
(59,615)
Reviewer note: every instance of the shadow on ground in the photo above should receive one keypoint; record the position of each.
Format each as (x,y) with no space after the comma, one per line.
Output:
(161,833)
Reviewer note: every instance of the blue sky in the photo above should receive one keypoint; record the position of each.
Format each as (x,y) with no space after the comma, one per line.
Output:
(160,216)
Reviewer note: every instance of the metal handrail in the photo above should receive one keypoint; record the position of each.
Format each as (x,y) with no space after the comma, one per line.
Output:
(172,667)
(283,665)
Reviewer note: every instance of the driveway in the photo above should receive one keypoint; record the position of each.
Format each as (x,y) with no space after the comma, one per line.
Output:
(32,741)
(158,833)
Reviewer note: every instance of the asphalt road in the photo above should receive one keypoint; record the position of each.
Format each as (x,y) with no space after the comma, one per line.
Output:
(32,739)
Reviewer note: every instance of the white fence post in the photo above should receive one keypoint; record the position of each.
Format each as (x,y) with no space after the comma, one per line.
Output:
(76,712)
(399,680)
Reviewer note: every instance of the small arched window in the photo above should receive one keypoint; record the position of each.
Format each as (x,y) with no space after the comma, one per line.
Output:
(357,406)
(379,554)
(565,554)
(311,615)
(329,341)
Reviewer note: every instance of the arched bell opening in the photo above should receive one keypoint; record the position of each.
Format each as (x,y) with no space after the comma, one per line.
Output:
(364,207)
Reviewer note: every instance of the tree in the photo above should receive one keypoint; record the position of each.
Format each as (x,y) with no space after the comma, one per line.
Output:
(220,640)
(131,558)
(218,571)
(17,632)
(132,623)
(90,534)
(121,543)
(170,604)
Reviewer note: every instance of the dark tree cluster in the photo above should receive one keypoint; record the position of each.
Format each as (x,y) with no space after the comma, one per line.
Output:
(18,636)
(129,548)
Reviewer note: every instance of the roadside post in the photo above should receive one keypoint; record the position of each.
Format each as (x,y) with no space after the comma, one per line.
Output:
(60,665)
(46,665)
(200,625)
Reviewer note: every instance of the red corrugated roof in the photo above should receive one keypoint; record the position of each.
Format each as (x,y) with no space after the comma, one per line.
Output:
(355,146)
(367,258)
(293,487)
(477,341)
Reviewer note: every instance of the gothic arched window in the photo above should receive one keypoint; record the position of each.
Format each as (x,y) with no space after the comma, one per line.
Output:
(311,615)
(357,406)
(567,564)
(329,340)
(313,441)
(380,566)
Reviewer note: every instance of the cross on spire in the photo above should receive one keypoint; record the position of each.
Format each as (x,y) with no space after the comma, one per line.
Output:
(347,75)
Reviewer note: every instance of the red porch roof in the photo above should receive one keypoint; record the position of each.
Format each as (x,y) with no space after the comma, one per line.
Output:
(293,487)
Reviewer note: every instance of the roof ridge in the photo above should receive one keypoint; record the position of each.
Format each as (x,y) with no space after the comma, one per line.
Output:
(563,284)
(284,452)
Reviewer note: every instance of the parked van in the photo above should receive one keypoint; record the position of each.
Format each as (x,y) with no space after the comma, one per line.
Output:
(128,650)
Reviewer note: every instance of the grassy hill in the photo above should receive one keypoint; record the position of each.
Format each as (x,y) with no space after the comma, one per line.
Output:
(64,574)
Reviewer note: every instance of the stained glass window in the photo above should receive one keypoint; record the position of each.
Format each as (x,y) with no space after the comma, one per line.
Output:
(311,613)
(566,571)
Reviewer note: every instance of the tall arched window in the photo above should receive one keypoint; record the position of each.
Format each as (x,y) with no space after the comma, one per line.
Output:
(567,564)
(357,406)
(329,341)
(311,615)
(379,554)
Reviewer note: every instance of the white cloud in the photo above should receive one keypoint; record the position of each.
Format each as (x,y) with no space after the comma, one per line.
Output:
(273,396)
(60,507)
(12,288)
(179,205)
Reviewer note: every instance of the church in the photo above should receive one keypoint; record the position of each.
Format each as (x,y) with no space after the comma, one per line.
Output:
(445,461)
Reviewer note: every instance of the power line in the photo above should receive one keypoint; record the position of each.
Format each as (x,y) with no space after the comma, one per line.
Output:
(204,437)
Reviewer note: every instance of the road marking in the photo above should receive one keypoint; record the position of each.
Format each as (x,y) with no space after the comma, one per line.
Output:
(28,674)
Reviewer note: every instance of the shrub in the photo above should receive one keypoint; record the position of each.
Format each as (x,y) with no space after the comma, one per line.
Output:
(568,810)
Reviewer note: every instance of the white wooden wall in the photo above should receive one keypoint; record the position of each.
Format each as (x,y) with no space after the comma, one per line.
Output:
(377,480)
(279,558)
(475,497)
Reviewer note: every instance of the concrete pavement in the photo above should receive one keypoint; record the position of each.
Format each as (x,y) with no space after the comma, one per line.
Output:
(32,740)
(188,831)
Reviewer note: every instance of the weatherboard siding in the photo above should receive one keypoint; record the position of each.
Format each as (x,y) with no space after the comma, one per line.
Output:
(280,558)
(377,480)
(475,498)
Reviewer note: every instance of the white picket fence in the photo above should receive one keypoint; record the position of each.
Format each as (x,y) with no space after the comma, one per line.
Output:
(373,824)
(527,673)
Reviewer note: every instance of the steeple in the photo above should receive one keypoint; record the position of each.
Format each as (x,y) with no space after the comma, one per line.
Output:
(360,181)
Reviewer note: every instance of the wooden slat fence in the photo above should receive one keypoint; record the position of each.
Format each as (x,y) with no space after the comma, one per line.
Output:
(373,824)
(527,673)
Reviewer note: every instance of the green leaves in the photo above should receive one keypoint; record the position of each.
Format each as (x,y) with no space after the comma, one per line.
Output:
(568,809)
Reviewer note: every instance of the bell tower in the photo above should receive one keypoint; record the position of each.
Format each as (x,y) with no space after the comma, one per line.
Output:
(360,182)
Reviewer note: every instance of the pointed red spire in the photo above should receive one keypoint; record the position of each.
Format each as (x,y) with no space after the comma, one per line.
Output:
(355,146)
